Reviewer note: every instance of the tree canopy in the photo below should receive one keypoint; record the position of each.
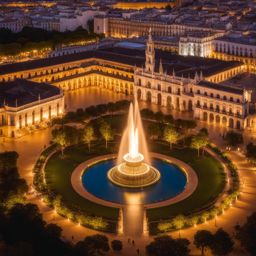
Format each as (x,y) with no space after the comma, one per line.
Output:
(234,139)
(222,243)
(246,234)
(251,152)
(170,135)
(199,141)
(106,132)
(203,239)
(166,246)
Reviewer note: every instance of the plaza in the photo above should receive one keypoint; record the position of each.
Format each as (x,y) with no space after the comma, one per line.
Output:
(135,136)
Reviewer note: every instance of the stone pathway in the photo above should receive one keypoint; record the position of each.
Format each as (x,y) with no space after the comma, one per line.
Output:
(29,148)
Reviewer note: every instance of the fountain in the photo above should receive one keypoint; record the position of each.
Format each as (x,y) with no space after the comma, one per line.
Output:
(133,167)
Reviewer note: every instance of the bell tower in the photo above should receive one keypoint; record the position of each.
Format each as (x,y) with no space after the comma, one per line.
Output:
(150,54)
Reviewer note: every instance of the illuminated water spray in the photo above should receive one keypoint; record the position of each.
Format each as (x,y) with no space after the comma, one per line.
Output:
(133,167)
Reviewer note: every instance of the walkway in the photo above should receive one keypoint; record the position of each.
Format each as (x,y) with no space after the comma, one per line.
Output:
(29,148)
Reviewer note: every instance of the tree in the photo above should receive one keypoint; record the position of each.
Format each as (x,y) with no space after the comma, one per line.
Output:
(222,243)
(246,234)
(117,245)
(106,132)
(203,239)
(204,132)
(234,139)
(60,138)
(170,135)
(192,221)
(88,136)
(178,222)
(168,7)
(154,130)
(93,245)
(166,246)
(199,141)
(24,224)
(251,153)
(12,187)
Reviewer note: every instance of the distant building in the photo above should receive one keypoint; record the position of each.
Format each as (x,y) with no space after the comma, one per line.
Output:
(209,101)
(15,25)
(237,47)
(120,27)
(197,44)
(182,83)
(24,104)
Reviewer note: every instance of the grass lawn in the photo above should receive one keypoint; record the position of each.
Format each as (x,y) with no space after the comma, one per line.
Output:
(209,171)
(211,183)
(58,177)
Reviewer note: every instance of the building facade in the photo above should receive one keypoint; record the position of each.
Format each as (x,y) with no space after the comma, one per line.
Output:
(119,27)
(159,77)
(209,102)
(28,105)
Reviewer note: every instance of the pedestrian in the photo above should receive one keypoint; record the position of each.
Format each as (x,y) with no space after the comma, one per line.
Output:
(138,251)
(133,243)
(72,237)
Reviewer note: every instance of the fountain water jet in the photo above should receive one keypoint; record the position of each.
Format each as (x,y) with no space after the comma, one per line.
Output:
(133,169)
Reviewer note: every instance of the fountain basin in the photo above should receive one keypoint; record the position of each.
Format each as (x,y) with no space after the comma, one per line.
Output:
(89,179)
(139,176)
(95,180)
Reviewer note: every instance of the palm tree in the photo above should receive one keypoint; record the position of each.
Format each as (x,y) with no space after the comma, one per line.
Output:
(203,239)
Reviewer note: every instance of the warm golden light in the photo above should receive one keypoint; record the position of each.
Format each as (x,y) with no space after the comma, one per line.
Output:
(133,169)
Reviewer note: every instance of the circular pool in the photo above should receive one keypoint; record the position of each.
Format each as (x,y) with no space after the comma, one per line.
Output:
(173,181)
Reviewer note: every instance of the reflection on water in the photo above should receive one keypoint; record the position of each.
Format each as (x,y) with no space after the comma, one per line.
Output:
(85,97)
(133,198)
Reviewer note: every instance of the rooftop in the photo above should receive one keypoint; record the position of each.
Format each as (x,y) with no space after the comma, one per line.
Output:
(182,65)
(221,87)
(21,92)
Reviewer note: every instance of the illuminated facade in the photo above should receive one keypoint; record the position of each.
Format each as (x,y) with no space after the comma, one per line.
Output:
(197,44)
(211,102)
(228,49)
(143,5)
(127,28)
(26,105)
(163,78)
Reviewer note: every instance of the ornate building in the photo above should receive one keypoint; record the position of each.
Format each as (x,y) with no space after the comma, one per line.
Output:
(211,102)
(182,83)
(25,104)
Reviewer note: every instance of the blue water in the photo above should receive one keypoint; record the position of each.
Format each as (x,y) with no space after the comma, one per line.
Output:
(171,183)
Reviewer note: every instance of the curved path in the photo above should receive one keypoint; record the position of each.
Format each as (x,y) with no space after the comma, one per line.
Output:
(191,185)
(30,147)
